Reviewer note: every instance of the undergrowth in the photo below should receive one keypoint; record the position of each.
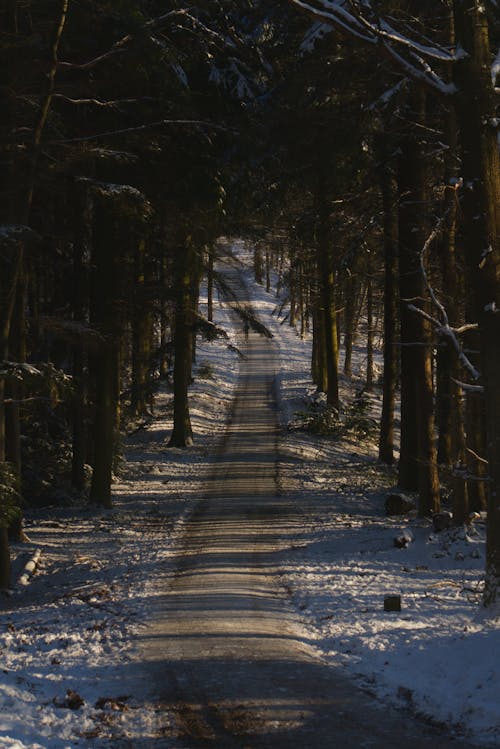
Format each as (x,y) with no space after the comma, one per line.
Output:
(325,420)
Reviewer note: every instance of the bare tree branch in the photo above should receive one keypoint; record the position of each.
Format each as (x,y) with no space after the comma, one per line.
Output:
(100,102)
(120,46)
(146,126)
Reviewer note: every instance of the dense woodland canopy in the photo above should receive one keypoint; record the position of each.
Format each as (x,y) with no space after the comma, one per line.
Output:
(353,144)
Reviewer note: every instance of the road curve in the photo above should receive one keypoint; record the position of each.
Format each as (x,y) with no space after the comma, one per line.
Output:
(231,659)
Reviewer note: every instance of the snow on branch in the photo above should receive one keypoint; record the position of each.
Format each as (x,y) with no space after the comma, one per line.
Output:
(409,52)
(12,233)
(338,16)
(122,195)
(111,189)
(436,52)
(317,32)
(18,371)
(383,100)
(423,74)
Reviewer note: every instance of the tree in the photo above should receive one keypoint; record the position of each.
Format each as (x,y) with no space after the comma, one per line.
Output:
(481,227)
(389,192)
(15,216)
(417,465)
(473,89)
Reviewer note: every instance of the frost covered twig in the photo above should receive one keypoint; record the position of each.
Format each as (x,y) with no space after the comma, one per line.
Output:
(336,14)
(476,456)
(112,103)
(146,126)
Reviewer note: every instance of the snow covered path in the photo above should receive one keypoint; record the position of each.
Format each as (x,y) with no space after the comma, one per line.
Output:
(248,625)
(231,659)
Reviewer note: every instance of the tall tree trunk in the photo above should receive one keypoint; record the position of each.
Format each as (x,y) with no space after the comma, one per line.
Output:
(81,240)
(319,367)
(350,289)
(327,288)
(481,219)
(475,445)
(17,351)
(210,284)
(292,291)
(104,315)
(18,211)
(418,462)
(258,264)
(369,335)
(142,323)
(448,368)
(16,391)
(302,301)
(4,559)
(389,201)
(195,303)
(164,327)
(268,271)
(449,410)
(182,433)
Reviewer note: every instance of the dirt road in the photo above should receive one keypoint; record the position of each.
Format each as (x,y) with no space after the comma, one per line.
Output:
(233,662)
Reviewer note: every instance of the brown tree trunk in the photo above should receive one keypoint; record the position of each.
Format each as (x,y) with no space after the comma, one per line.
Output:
(475,449)
(369,336)
(302,301)
(164,327)
(292,291)
(418,461)
(210,284)
(327,288)
(319,366)
(182,433)
(142,322)
(258,264)
(350,290)
(81,240)
(481,221)
(4,559)
(104,316)
(15,391)
(449,395)
(389,201)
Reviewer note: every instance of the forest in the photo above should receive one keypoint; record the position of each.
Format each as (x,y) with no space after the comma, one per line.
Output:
(353,144)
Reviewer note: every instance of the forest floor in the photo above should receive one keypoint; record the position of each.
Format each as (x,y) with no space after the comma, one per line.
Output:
(72,674)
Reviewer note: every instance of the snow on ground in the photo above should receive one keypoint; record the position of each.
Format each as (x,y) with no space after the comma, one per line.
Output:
(72,627)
